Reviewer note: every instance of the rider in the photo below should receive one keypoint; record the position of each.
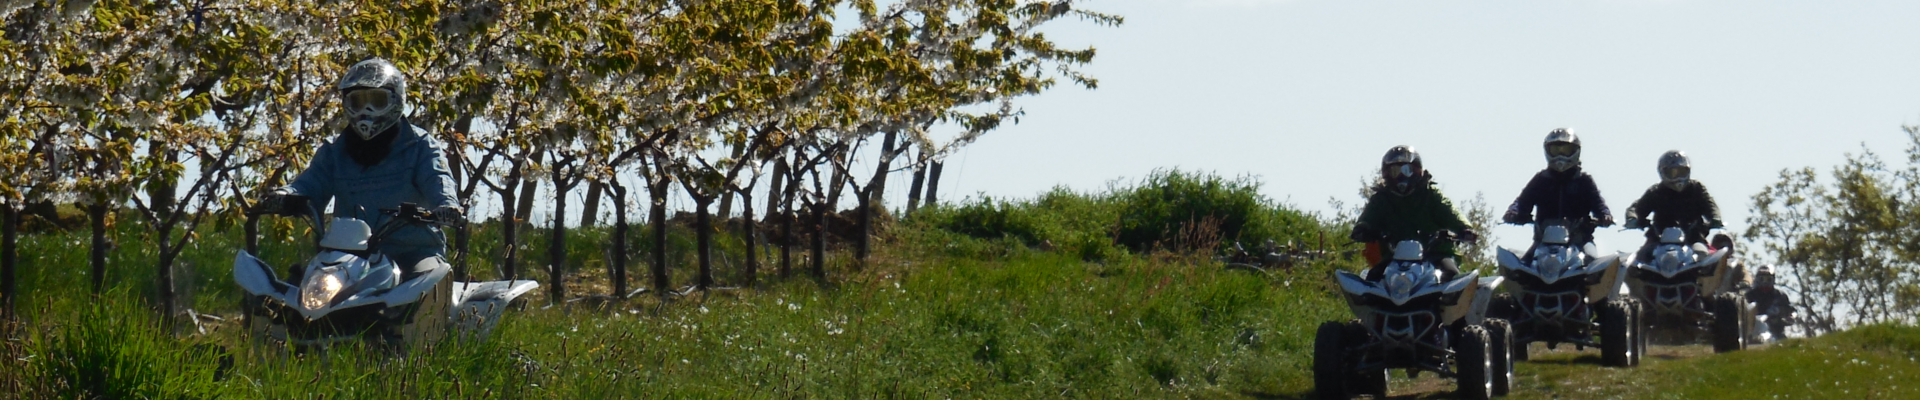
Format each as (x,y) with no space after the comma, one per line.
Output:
(1561,191)
(380,161)
(1677,201)
(1405,205)
(1769,301)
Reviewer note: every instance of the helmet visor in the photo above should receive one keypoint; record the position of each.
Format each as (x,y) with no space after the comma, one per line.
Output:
(1675,173)
(368,100)
(1400,171)
(1562,149)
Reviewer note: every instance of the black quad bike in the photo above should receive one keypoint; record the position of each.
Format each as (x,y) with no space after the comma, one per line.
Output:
(1570,294)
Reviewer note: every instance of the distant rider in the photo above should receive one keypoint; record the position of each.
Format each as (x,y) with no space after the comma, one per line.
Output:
(1562,192)
(1677,201)
(1406,205)
(378,162)
(1770,302)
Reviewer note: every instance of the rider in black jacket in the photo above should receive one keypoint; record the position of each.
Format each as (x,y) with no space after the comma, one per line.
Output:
(1677,201)
(1561,192)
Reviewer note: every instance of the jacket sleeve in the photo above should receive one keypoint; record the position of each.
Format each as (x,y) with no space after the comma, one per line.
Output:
(1637,209)
(1712,208)
(1600,210)
(1448,216)
(314,181)
(435,178)
(1529,197)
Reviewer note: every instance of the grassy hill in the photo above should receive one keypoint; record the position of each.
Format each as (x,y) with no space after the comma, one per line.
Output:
(986,299)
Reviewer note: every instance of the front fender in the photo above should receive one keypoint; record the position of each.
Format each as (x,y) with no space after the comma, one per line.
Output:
(256,277)
(1612,277)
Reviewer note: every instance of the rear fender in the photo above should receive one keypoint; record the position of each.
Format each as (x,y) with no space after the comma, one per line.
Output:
(410,290)
(478,305)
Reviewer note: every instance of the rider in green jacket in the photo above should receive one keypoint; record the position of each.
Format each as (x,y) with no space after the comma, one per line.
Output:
(1407,206)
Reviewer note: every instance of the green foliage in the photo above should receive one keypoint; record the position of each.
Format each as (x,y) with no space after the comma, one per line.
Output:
(111,349)
(1171,210)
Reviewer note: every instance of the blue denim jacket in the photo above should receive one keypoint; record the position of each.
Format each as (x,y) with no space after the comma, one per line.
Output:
(415,171)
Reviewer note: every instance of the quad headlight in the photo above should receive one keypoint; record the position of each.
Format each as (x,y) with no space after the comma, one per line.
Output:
(320,288)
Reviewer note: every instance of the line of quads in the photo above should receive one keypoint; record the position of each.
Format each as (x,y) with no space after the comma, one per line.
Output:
(1413,318)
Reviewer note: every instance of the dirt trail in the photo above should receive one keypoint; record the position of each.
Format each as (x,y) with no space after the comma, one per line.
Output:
(1563,373)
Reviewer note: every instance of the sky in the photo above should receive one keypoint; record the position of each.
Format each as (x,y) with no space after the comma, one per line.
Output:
(1307,95)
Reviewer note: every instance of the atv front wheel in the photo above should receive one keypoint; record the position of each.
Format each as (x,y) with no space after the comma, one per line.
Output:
(1501,353)
(1728,332)
(1616,333)
(1330,362)
(1474,372)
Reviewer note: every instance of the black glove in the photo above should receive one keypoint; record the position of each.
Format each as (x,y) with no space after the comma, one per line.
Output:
(1634,223)
(1516,218)
(1606,220)
(1715,224)
(272,203)
(450,215)
(1467,235)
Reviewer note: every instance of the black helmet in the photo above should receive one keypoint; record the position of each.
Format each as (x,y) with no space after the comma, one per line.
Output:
(1400,169)
(1563,149)
(1763,277)
(1675,170)
(374,94)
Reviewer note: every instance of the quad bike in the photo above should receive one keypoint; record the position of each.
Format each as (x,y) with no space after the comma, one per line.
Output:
(1771,325)
(1689,289)
(1569,294)
(350,291)
(1414,320)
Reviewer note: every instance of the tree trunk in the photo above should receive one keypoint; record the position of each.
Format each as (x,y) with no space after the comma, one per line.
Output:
(866,230)
(703,240)
(557,242)
(658,216)
(877,187)
(933,184)
(590,212)
(509,235)
(252,227)
(747,232)
(97,213)
(618,260)
(462,240)
(9,258)
(528,189)
(919,178)
(820,241)
(167,255)
(786,227)
(779,184)
(839,180)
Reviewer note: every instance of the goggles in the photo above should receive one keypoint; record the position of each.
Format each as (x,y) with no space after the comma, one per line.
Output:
(1399,171)
(371,100)
(1562,149)
(1675,173)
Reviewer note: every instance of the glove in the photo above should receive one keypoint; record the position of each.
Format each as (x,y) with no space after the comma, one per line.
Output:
(1516,218)
(1634,223)
(1467,235)
(272,203)
(450,215)
(1715,224)
(1606,220)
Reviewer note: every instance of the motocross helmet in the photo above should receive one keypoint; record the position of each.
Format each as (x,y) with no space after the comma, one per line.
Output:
(374,94)
(1763,277)
(1401,171)
(1675,170)
(1563,150)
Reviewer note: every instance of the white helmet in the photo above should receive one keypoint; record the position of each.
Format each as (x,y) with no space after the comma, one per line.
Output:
(1563,149)
(374,94)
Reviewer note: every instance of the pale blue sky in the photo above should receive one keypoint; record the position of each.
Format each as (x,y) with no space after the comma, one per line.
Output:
(1308,94)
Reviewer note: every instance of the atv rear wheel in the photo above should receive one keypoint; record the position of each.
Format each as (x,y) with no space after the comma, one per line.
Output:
(1728,332)
(1473,370)
(1330,362)
(1501,353)
(1616,333)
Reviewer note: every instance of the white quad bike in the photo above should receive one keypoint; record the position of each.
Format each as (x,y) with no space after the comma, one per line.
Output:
(1689,288)
(1413,320)
(1554,299)
(350,291)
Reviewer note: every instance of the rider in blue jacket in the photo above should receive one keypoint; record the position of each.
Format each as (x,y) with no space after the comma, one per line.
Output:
(379,162)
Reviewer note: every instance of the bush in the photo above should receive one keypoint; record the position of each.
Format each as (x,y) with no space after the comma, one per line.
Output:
(1170,209)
